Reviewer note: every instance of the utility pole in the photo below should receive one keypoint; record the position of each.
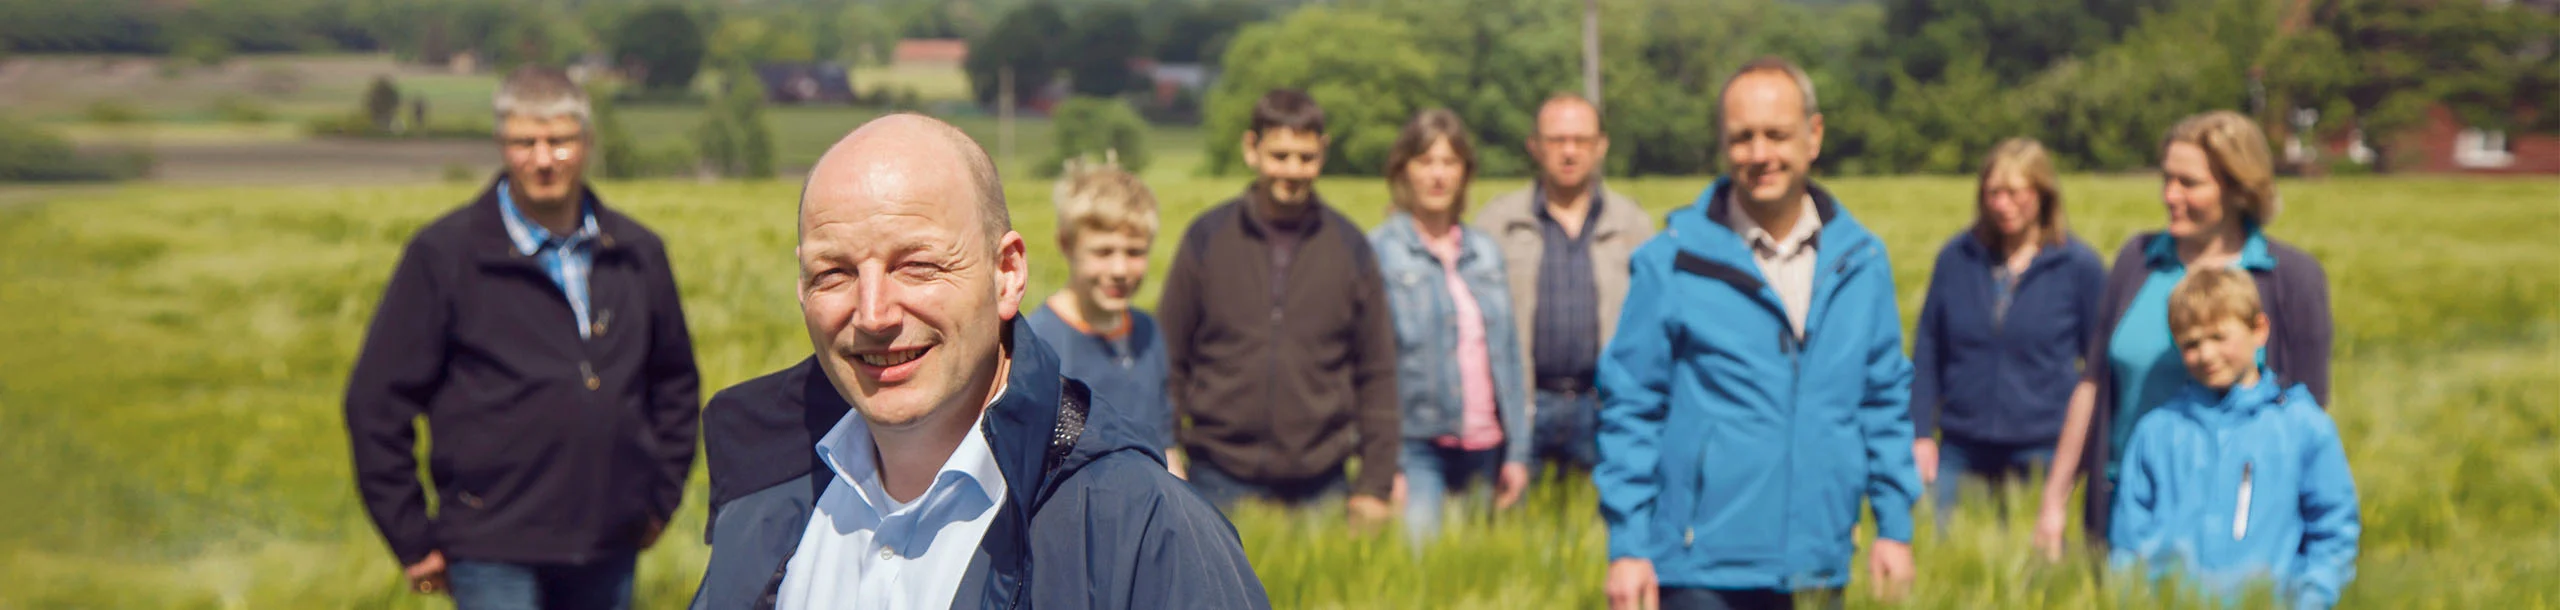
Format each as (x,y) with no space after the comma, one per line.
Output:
(1004,115)
(1591,51)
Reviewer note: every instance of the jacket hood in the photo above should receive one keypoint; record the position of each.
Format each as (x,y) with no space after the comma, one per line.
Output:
(2221,409)
(1036,399)
(1699,228)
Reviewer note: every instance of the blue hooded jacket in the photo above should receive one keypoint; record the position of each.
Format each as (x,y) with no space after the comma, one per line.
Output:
(1733,454)
(2231,488)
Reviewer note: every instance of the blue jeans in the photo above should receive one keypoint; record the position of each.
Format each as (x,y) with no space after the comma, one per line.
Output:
(604,584)
(1224,490)
(1748,599)
(1568,428)
(1997,464)
(1430,471)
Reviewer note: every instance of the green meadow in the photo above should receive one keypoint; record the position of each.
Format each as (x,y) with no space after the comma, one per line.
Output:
(171,362)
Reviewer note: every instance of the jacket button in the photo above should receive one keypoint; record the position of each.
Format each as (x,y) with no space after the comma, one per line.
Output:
(589,370)
(1688,537)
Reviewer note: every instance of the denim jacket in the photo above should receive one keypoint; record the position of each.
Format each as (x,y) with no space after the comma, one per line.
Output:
(1426,376)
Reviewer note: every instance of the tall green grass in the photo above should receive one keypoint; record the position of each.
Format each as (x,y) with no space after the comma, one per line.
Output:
(171,361)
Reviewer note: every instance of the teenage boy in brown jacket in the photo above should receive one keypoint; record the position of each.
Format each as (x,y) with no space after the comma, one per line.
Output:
(1280,350)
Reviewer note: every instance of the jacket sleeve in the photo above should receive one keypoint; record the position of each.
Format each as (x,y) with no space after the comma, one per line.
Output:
(1635,399)
(1884,416)
(2134,532)
(1178,315)
(1116,537)
(2314,331)
(397,371)
(675,391)
(1373,382)
(1926,395)
(2331,521)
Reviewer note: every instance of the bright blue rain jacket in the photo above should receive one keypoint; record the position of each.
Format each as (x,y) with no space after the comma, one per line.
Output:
(2229,488)
(1733,454)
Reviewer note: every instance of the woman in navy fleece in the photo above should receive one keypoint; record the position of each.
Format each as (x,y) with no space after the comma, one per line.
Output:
(2008,314)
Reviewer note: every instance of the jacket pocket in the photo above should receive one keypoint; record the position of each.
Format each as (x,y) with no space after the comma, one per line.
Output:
(1740,493)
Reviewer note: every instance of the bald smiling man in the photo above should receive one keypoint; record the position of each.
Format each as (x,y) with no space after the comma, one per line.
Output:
(930,454)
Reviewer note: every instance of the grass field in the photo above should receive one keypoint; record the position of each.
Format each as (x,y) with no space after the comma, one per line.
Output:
(171,362)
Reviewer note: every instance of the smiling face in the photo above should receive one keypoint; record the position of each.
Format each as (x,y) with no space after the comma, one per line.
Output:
(1106,267)
(1436,179)
(1286,162)
(2223,352)
(2191,193)
(545,157)
(904,292)
(2012,206)
(1770,142)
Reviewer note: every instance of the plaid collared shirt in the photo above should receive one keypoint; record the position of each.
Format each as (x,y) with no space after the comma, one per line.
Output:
(565,258)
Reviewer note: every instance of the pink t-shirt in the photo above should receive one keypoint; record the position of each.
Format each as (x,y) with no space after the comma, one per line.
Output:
(1479,427)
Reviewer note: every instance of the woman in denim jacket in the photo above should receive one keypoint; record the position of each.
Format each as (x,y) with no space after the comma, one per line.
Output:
(1458,370)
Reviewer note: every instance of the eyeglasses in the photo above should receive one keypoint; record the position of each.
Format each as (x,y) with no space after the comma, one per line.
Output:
(561,148)
(1569,141)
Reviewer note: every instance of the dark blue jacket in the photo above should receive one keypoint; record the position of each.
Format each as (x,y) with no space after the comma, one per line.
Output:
(1094,522)
(1733,453)
(2006,380)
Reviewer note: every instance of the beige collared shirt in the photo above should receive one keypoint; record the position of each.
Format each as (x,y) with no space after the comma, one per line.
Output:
(1787,262)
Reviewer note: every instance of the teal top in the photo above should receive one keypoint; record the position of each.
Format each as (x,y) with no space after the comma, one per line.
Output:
(2142,353)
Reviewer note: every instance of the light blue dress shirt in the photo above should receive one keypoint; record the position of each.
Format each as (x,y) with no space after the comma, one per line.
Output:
(566,258)
(864,549)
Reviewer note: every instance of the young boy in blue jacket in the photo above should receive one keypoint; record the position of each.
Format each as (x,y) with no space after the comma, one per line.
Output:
(2236,479)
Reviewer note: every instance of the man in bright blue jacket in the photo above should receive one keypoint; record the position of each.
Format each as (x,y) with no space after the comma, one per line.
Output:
(1756,390)
(2237,478)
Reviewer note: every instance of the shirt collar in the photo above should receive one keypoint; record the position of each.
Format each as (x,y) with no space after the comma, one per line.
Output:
(1808,225)
(2162,251)
(1591,213)
(529,236)
(847,449)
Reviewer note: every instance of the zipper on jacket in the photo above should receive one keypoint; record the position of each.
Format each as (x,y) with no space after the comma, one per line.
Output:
(2240,515)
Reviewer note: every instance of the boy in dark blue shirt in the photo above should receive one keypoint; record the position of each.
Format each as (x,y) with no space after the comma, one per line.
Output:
(1106,225)
(2236,479)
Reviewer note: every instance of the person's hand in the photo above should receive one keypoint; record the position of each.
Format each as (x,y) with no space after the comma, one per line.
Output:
(1889,568)
(1507,486)
(1631,585)
(1396,495)
(1368,512)
(1174,463)
(2050,523)
(1925,452)
(427,575)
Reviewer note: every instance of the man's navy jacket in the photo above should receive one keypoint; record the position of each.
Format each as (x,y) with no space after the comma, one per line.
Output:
(1093,521)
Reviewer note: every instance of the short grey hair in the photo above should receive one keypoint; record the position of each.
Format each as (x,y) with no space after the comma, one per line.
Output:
(541,92)
(1770,63)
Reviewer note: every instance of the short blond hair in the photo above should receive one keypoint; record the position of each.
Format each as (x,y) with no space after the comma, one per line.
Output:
(2242,165)
(2026,160)
(2212,295)
(1102,197)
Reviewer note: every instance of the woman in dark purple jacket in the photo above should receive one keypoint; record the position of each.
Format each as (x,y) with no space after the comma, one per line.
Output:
(2008,313)
(2218,185)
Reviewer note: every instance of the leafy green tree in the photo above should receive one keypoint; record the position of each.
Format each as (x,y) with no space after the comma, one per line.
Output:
(1368,90)
(2380,65)
(1499,59)
(733,139)
(1098,51)
(665,43)
(382,103)
(1027,41)
(1199,32)
(1098,127)
(753,40)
